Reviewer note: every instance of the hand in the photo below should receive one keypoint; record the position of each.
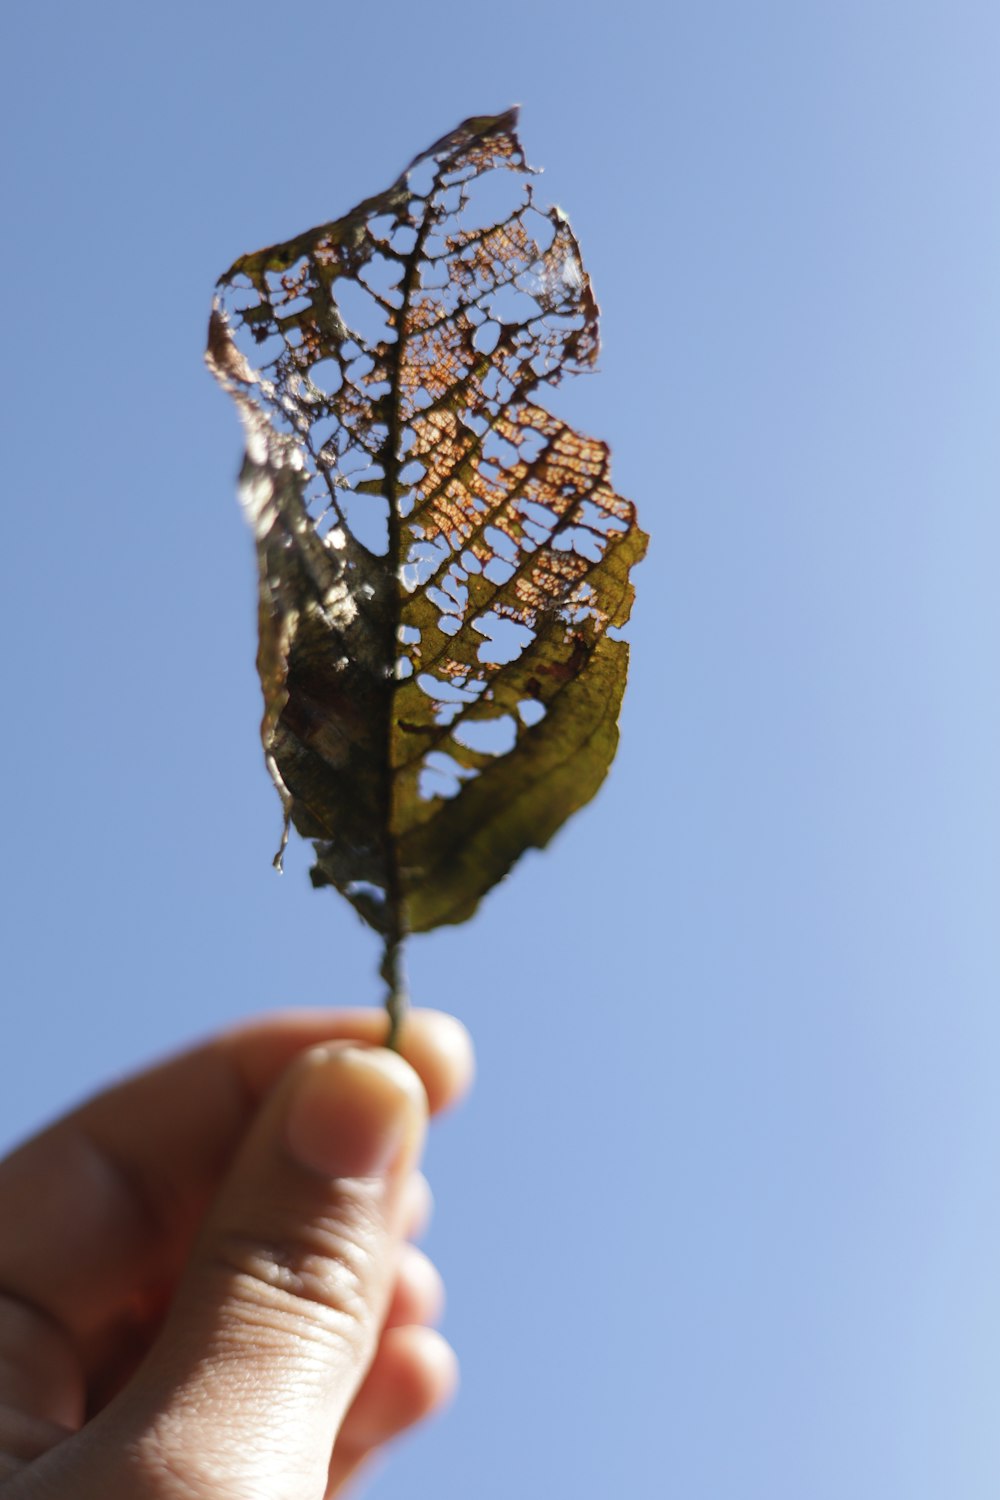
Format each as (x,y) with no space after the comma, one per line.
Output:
(205,1287)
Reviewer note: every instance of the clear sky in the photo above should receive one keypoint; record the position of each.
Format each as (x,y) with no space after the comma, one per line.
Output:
(722,1219)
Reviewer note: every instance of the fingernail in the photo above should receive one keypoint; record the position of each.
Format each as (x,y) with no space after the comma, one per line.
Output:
(355,1112)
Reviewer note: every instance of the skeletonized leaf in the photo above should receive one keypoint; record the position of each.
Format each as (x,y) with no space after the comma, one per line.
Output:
(442,561)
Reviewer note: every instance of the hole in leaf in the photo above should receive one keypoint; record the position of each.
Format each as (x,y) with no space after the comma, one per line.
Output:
(505,639)
(540,515)
(579,540)
(485,337)
(499,450)
(441,776)
(434,275)
(265,350)
(448,200)
(291,309)
(404,239)
(451,689)
(368,519)
(353,460)
(327,375)
(366,888)
(501,544)
(498,570)
(383,276)
(475,422)
(509,304)
(423,562)
(532,444)
(360,311)
(531,711)
(455,586)
(488,736)
(359,368)
(441,600)
(276,281)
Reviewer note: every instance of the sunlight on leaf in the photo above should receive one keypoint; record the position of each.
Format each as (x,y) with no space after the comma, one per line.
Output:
(441,560)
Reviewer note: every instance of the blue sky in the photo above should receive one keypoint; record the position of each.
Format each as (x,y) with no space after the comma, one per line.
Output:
(722,1220)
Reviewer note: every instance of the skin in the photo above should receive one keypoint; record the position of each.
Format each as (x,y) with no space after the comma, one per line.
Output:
(207,1285)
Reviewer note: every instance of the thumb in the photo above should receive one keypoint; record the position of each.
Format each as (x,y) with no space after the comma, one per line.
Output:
(277,1318)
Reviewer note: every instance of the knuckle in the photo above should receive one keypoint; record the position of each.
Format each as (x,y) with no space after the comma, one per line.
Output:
(320,1278)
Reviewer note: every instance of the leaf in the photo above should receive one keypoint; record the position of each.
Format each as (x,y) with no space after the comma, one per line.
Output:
(442,561)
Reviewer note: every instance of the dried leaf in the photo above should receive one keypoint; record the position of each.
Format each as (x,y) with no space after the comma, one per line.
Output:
(441,559)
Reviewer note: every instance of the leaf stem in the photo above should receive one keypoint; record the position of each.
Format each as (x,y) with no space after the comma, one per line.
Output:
(397,995)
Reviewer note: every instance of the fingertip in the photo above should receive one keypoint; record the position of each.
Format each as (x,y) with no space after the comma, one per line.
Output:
(436,1044)
(441,1050)
(417,1207)
(355,1111)
(418,1295)
(432,1369)
(414,1374)
(427,1370)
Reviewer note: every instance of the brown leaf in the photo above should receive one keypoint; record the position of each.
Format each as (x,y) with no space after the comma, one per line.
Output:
(441,559)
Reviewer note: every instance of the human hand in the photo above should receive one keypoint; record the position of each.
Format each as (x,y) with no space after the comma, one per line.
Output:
(205,1287)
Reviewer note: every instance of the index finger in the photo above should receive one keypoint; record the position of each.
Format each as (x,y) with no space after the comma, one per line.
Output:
(100,1209)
